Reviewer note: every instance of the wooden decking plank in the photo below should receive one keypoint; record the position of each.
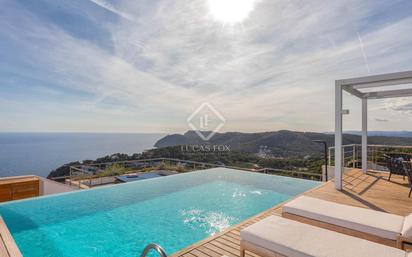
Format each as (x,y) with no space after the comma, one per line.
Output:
(225,247)
(229,243)
(233,235)
(188,255)
(220,250)
(3,249)
(208,251)
(244,226)
(198,253)
(230,239)
(236,231)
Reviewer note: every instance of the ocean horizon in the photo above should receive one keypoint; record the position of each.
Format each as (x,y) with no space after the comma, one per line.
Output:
(39,153)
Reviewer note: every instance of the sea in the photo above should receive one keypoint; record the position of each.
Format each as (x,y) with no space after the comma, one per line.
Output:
(40,153)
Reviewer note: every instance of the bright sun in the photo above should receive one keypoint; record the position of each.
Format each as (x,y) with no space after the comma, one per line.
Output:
(230,11)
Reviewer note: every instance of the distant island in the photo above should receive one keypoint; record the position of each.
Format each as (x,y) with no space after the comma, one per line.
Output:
(282,149)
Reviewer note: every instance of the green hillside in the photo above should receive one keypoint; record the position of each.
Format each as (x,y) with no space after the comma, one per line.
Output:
(281,143)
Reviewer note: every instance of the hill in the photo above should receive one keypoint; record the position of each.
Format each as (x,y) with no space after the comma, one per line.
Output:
(383,133)
(283,143)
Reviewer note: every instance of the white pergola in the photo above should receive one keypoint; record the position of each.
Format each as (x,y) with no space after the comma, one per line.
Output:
(370,87)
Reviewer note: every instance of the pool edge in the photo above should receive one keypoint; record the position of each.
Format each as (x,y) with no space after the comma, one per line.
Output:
(142,181)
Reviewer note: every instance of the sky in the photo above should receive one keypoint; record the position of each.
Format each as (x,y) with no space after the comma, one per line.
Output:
(147,65)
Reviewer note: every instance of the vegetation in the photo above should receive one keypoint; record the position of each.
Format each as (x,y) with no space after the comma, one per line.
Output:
(113,170)
(228,158)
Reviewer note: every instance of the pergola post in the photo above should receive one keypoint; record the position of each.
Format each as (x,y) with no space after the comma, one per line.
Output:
(364,135)
(338,136)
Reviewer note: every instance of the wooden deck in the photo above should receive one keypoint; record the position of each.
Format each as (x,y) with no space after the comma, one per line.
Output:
(370,190)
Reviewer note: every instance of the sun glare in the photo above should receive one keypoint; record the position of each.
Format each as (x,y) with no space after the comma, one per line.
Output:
(230,11)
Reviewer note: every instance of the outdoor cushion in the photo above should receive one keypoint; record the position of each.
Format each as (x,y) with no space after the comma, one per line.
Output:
(407,227)
(377,223)
(295,239)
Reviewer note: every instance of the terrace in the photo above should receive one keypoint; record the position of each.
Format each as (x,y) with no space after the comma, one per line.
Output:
(370,190)
(358,181)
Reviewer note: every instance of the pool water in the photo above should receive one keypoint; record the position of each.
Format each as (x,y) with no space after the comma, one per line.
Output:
(173,211)
(129,178)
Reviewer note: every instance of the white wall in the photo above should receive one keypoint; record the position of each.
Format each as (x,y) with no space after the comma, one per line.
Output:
(49,187)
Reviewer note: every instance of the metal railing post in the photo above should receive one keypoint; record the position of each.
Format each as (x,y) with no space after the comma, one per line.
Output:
(353,156)
(329,156)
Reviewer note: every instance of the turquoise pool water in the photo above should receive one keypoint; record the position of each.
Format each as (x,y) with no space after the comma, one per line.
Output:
(173,211)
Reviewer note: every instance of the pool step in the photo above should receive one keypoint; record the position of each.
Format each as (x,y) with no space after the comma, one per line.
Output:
(155,247)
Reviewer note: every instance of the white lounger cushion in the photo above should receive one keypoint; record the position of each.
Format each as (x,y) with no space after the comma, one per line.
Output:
(407,227)
(377,223)
(295,239)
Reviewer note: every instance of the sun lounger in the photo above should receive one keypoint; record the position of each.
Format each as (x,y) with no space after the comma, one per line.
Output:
(279,237)
(376,226)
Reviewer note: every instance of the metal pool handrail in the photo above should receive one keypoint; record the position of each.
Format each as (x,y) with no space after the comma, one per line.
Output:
(155,247)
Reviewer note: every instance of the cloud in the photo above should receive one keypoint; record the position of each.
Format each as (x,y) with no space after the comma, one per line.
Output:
(403,108)
(381,120)
(276,70)
(112,9)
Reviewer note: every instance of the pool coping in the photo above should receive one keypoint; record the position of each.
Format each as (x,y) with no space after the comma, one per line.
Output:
(7,244)
(221,233)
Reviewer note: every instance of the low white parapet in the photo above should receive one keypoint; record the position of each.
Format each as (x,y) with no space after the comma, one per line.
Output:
(50,187)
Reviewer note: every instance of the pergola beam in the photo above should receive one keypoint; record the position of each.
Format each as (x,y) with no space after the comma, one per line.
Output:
(389,94)
(383,83)
(354,91)
(404,77)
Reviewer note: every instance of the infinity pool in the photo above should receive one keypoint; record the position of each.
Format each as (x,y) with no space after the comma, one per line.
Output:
(173,211)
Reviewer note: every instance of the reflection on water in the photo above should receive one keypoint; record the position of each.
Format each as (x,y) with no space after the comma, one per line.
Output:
(212,222)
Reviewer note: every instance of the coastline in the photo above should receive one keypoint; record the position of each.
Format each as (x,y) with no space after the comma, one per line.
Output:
(40,153)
